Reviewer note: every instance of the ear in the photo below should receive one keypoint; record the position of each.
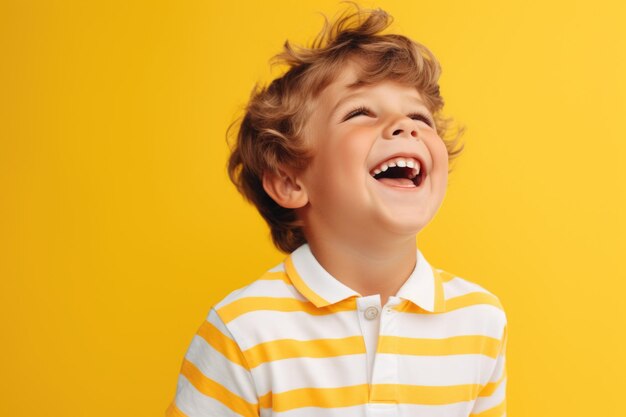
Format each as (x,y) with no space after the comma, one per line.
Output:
(285,189)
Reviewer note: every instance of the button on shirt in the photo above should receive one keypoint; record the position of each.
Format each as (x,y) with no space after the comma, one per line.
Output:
(298,343)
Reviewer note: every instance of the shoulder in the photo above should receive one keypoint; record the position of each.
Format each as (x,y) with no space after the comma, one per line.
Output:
(263,293)
(248,314)
(462,293)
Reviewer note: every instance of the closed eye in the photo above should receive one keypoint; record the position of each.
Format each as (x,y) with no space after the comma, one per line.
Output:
(422,118)
(364,111)
(358,112)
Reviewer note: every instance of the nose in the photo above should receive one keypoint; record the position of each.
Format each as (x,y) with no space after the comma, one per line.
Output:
(402,126)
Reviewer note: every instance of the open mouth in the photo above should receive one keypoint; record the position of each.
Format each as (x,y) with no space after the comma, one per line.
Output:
(399,172)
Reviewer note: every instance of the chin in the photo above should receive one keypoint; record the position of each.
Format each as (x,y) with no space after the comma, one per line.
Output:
(406,225)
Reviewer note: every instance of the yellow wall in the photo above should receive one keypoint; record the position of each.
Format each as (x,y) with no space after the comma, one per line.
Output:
(119,228)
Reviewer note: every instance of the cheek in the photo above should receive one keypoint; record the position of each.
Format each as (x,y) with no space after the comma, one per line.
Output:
(356,143)
(439,156)
(347,151)
(439,153)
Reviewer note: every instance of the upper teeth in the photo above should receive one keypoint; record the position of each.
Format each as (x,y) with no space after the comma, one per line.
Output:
(400,162)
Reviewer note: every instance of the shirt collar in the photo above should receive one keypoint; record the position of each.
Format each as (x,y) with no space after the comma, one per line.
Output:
(423,288)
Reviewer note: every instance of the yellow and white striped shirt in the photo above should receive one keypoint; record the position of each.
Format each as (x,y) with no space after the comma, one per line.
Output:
(298,343)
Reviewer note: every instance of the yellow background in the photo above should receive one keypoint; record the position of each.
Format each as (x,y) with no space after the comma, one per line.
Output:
(120,229)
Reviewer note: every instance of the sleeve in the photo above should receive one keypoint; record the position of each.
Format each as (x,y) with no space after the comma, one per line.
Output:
(215,379)
(491,401)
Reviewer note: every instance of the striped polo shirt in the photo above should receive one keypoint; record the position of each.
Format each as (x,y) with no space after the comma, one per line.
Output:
(298,343)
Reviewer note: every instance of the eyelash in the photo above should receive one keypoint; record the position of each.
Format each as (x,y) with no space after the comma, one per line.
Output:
(356,112)
(364,110)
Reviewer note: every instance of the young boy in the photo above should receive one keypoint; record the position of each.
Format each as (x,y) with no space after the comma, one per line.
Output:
(344,157)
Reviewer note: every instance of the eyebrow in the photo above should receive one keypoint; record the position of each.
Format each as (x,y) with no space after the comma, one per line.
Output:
(359,84)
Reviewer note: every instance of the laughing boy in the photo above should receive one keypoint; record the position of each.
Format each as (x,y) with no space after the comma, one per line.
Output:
(344,158)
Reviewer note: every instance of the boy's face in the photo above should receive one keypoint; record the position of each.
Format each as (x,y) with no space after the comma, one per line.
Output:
(356,132)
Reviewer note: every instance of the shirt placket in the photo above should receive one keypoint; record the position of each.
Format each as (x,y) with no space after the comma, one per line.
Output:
(384,383)
(369,320)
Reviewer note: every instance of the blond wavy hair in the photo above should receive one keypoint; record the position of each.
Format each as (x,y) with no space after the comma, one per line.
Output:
(270,134)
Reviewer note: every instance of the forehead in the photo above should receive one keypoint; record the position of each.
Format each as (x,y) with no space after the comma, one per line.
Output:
(351,80)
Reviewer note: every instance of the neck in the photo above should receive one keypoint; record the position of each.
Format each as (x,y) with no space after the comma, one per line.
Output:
(370,267)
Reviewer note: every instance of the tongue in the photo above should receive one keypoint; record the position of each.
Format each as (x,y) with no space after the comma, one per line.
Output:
(398,182)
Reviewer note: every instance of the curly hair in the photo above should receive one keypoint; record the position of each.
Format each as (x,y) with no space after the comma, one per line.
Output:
(271,133)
